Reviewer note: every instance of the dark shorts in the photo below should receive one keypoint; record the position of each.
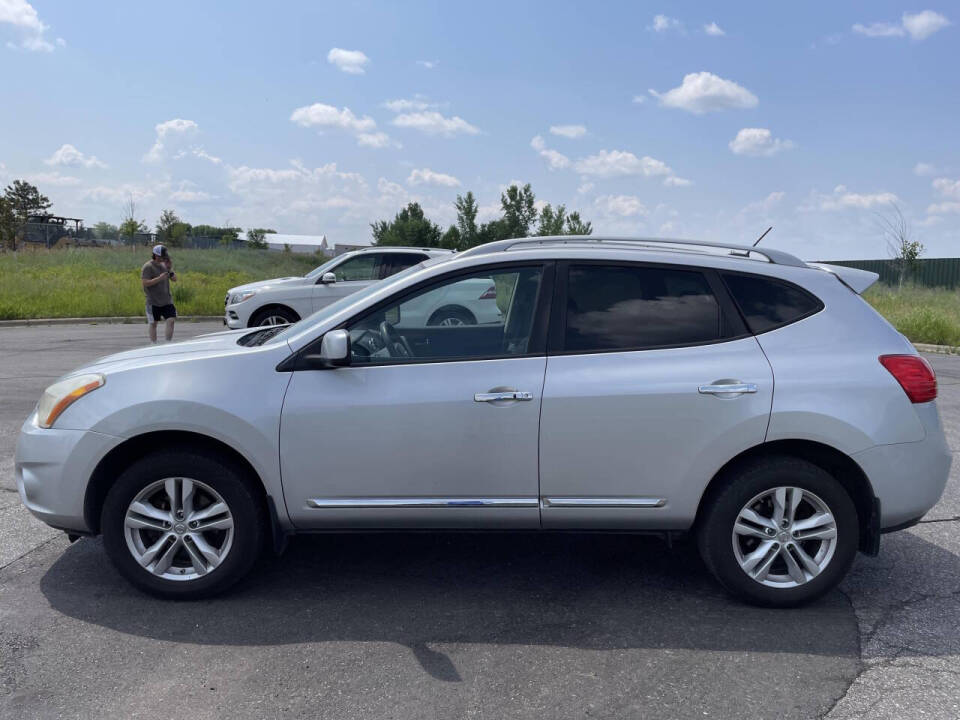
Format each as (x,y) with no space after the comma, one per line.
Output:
(161,312)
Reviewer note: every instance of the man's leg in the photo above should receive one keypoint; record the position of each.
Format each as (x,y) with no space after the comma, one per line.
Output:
(168,329)
(153,331)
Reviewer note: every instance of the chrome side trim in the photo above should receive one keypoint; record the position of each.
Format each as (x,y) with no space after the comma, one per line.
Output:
(375,503)
(728,389)
(609,502)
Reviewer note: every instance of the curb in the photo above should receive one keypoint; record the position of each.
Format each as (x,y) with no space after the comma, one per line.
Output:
(102,320)
(939,349)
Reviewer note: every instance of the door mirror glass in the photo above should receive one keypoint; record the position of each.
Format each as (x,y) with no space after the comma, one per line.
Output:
(328,277)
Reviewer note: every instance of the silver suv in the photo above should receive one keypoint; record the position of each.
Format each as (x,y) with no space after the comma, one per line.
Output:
(740,395)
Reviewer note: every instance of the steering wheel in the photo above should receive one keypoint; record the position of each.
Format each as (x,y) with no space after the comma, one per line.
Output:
(395,343)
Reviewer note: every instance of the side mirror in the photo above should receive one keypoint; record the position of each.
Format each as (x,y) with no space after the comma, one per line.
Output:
(334,352)
(328,278)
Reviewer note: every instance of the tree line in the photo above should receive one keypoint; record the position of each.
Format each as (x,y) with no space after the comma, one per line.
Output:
(519,218)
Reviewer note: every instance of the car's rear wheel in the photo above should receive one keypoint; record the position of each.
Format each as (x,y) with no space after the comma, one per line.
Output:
(183,524)
(273,316)
(452,316)
(780,532)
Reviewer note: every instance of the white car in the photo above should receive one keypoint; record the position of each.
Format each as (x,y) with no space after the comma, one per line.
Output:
(287,300)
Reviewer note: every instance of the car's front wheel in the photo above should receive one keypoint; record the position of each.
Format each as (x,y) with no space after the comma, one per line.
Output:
(780,532)
(183,523)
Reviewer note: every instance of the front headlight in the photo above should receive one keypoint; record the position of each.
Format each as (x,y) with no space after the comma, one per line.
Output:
(241,296)
(61,395)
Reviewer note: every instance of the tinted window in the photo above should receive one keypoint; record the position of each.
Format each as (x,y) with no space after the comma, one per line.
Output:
(401,261)
(632,307)
(767,303)
(485,315)
(361,267)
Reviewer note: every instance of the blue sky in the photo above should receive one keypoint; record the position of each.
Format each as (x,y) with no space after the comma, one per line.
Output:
(684,119)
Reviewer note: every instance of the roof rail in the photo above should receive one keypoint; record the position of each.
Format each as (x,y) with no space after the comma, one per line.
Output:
(776,257)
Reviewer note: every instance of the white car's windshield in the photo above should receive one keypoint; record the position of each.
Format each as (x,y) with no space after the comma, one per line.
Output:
(317,272)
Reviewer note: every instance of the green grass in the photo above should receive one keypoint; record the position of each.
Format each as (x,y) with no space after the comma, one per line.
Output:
(924,315)
(91,282)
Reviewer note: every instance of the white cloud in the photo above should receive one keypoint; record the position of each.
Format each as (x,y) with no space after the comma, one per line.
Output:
(620,205)
(427,64)
(713,29)
(376,140)
(617,163)
(842,199)
(705,92)
(433,123)
(555,160)
(879,29)
(674,181)
(924,169)
(585,188)
(919,26)
(947,187)
(758,142)
(922,25)
(426,176)
(568,131)
(167,131)
(187,193)
(417,103)
(349,61)
(53,178)
(943,208)
(662,23)
(320,115)
(117,194)
(639,99)
(23,16)
(69,156)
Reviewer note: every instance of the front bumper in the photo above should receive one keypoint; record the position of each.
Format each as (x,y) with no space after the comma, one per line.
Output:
(52,468)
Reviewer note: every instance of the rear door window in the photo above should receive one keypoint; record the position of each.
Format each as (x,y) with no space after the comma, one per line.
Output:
(767,303)
(634,307)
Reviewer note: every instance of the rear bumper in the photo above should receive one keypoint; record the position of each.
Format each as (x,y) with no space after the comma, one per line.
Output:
(52,468)
(908,478)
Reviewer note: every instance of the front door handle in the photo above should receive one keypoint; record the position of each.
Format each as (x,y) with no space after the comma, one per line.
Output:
(504,395)
(727,389)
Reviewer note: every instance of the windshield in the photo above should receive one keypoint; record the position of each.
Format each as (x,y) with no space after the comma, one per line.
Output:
(335,307)
(317,272)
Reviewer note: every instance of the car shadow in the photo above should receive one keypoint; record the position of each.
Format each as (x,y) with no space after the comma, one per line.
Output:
(584,591)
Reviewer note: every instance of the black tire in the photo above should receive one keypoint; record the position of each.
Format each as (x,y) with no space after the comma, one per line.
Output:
(260,317)
(453,315)
(222,475)
(745,482)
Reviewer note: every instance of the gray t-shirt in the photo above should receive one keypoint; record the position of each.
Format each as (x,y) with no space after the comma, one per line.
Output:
(158,294)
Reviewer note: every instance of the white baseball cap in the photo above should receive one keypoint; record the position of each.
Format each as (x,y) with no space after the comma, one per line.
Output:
(160,251)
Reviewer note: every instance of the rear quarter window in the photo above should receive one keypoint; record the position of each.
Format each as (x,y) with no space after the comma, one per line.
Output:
(767,303)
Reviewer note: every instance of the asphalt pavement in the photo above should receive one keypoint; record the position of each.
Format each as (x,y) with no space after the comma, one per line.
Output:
(460,625)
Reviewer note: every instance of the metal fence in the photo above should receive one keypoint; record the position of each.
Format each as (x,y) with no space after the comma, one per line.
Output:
(928,272)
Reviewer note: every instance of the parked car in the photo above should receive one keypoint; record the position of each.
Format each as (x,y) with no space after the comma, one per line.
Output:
(287,300)
(740,395)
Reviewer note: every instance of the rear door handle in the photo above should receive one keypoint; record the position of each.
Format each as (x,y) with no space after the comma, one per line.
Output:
(727,389)
(507,395)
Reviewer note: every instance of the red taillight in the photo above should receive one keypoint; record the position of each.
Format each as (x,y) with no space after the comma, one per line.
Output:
(489,294)
(914,374)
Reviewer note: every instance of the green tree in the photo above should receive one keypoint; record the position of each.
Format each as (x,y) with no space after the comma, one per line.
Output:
(551,221)
(168,219)
(519,212)
(24,200)
(410,227)
(466,206)
(8,225)
(903,249)
(451,239)
(576,226)
(130,227)
(256,238)
(105,231)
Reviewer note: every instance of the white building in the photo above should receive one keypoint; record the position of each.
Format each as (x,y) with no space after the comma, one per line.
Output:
(310,243)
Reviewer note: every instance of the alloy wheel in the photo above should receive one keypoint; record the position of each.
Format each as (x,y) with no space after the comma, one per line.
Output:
(784,537)
(179,529)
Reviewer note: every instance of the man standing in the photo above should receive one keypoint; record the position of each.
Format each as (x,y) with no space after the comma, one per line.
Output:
(156,275)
